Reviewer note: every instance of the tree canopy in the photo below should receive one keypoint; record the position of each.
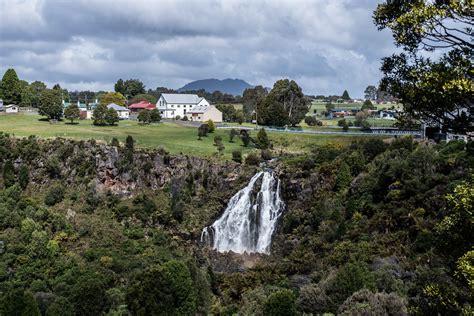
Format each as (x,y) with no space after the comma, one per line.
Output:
(438,91)
(130,88)
(50,104)
(113,97)
(285,104)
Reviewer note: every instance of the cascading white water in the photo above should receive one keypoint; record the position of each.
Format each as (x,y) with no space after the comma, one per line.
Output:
(249,220)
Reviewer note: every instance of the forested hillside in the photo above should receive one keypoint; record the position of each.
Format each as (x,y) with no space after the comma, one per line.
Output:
(374,227)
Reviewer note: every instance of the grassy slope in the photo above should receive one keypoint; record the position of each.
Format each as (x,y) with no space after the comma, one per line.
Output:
(176,139)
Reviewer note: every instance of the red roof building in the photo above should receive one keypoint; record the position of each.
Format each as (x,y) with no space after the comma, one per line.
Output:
(143,105)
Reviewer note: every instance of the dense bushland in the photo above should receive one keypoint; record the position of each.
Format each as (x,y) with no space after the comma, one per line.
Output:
(375,227)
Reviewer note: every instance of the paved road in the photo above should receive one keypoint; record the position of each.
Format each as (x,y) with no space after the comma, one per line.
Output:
(348,133)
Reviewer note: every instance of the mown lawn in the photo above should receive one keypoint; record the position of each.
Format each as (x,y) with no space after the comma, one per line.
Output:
(174,138)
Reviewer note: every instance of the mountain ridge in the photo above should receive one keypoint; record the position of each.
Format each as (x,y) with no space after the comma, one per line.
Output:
(229,86)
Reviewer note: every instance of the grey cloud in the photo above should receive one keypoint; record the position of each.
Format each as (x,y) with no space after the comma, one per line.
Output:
(326,45)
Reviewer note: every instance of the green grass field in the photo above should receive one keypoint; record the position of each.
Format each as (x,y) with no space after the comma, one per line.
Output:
(174,138)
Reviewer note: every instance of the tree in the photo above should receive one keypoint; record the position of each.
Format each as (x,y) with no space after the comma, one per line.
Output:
(262,139)
(439,92)
(113,97)
(345,95)
(23,177)
(155,116)
(166,289)
(8,174)
(343,178)
(130,88)
(36,88)
(99,115)
(111,117)
(143,97)
(251,98)
(280,303)
(211,125)
(120,87)
(72,112)
(51,104)
(367,105)
(26,95)
(284,104)
(370,93)
(10,88)
(144,117)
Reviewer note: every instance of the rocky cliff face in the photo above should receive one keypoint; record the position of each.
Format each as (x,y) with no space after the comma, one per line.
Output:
(114,169)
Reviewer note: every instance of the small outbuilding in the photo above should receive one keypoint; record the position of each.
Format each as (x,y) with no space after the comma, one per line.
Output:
(11,108)
(205,113)
(123,112)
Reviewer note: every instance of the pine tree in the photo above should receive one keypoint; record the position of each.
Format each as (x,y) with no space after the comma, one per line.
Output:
(345,95)
(10,88)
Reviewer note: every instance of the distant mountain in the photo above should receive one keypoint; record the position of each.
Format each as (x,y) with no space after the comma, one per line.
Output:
(230,86)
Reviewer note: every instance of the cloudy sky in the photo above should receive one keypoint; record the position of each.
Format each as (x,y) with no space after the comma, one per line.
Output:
(325,45)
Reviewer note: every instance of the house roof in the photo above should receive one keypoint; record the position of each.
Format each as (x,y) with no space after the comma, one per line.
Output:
(142,105)
(116,107)
(199,109)
(178,98)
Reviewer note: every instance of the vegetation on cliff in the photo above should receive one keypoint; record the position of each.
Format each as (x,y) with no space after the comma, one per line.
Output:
(371,227)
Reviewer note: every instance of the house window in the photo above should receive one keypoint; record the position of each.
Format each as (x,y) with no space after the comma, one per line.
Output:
(178,106)
(184,112)
(172,105)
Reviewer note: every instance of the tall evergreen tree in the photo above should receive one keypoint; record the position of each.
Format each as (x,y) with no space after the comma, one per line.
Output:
(345,95)
(10,87)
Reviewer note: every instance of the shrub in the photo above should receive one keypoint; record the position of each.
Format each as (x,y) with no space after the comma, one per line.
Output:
(252,159)
(262,139)
(99,115)
(237,156)
(313,299)
(185,118)
(245,137)
(155,116)
(212,126)
(115,142)
(233,132)
(341,122)
(144,117)
(177,117)
(280,303)
(310,120)
(350,278)
(217,140)
(167,288)
(266,154)
(203,130)
(54,195)
(364,302)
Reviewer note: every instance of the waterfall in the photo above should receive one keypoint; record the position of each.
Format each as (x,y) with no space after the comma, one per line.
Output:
(250,218)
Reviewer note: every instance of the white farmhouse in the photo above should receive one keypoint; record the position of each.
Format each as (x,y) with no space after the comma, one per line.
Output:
(171,105)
